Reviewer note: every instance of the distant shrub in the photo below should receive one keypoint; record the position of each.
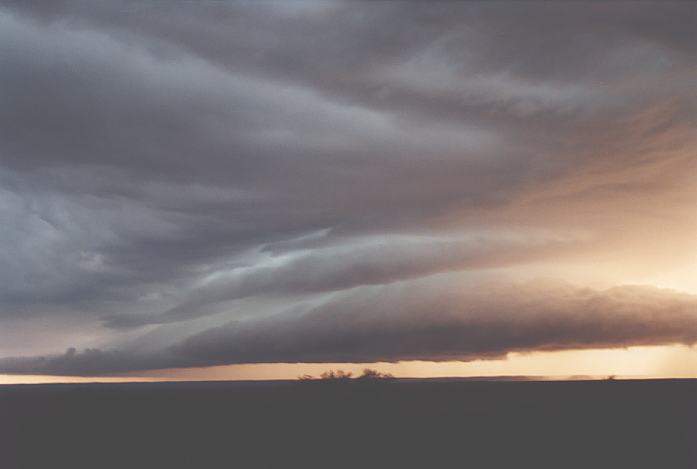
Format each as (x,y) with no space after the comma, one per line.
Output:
(338,374)
(369,373)
(341,375)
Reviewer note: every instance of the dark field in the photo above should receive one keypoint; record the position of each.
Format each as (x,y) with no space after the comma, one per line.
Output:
(400,423)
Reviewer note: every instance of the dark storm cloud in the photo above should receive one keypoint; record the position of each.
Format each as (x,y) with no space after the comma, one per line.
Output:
(432,322)
(429,321)
(159,158)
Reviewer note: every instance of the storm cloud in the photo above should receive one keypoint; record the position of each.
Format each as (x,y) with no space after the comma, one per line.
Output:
(190,184)
(433,321)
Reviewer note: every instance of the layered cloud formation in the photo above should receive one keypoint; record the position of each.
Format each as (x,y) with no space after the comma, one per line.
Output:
(189,185)
(433,320)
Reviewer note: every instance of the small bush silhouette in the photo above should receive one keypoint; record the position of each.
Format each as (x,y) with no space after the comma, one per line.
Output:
(369,373)
(341,375)
(338,374)
(331,375)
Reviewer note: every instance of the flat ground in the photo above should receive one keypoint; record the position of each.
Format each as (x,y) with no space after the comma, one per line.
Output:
(398,423)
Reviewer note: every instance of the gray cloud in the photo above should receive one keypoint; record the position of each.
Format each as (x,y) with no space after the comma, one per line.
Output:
(426,321)
(451,322)
(159,162)
(332,269)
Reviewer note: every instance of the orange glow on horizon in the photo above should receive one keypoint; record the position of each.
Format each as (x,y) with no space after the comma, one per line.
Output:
(675,361)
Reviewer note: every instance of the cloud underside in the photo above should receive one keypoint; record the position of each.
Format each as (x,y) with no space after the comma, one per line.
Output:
(406,322)
(240,182)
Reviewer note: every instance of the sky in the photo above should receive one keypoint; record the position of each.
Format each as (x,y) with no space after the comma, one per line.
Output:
(222,190)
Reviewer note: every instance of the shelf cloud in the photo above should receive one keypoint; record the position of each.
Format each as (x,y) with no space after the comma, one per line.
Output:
(189,185)
(414,322)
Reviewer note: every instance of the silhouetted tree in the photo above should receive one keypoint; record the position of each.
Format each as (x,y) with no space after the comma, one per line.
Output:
(338,374)
(369,373)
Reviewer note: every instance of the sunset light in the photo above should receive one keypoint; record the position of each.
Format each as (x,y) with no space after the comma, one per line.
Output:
(305,230)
